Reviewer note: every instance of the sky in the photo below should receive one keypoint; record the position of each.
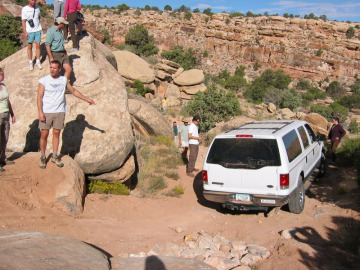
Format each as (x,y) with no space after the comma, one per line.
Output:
(340,10)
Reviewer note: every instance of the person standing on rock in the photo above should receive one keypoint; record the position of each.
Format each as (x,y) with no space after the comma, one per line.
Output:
(184,138)
(59,7)
(5,112)
(335,134)
(55,46)
(71,15)
(51,105)
(30,19)
(194,140)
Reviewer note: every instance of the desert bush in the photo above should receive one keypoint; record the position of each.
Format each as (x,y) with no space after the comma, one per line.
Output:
(322,110)
(138,37)
(350,33)
(10,29)
(188,16)
(354,127)
(186,59)
(209,137)
(234,83)
(282,98)
(208,11)
(102,187)
(335,89)
(349,150)
(303,84)
(355,87)
(167,8)
(137,12)
(107,37)
(139,88)
(268,79)
(205,54)
(178,190)
(172,175)
(335,109)
(213,106)
(319,52)
(313,93)
(350,101)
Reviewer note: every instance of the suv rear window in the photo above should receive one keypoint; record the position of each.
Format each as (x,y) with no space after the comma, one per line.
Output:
(246,153)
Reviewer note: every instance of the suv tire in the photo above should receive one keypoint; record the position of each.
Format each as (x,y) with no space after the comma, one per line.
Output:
(322,167)
(297,201)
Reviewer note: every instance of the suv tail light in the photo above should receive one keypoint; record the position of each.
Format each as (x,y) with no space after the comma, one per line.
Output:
(244,136)
(205,177)
(284,181)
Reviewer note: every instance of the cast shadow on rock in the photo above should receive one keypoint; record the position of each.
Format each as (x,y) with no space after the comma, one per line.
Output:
(33,137)
(73,134)
(154,263)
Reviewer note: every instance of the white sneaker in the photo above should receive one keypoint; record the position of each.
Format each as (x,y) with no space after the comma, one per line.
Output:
(39,65)
(31,66)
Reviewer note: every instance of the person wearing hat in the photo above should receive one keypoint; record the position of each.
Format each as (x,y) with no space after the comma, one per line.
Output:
(55,46)
(184,138)
(335,134)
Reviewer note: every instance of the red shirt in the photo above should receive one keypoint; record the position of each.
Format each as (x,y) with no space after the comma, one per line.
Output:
(72,6)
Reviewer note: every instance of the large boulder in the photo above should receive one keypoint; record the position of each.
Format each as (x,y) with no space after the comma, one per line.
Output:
(40,251)
(24,185)
(317,122)
(193,89)
(134,67)
(190,77)
(233,123)
(150,119)
(99,137)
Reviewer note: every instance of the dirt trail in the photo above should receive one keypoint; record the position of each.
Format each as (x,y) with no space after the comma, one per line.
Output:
(118,224)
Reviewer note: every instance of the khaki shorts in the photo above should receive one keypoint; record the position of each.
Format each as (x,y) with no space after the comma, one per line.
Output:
(53,120)
(62,57)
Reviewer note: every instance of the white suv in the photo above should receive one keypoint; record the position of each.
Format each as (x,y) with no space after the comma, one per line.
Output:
(262,164)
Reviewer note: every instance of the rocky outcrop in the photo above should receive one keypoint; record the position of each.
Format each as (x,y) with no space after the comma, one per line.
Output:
(98,137)
(132,67)
(150,119)
(291,44)
(40,251)
(189,77)
(25,185)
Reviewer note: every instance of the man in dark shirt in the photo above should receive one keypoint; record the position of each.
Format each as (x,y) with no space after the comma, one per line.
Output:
(335,134)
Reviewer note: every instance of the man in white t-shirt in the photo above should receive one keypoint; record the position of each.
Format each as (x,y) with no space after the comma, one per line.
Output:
(194,140)
(30,18)
(51,104)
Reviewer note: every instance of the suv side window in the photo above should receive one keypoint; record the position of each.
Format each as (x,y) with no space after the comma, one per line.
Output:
(304,137)
(292,145)
(311,133)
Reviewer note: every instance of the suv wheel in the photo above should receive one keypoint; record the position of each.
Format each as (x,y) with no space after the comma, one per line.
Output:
(297,201)
(322,167)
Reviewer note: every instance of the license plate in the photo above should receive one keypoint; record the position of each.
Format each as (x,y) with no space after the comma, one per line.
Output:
(242,197)
(268,201)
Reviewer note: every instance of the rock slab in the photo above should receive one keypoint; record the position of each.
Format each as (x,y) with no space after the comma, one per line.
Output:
(39,251)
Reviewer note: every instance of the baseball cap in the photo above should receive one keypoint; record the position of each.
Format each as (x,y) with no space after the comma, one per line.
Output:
(61,20)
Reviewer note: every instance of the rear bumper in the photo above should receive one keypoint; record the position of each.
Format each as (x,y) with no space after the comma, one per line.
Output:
(255,200)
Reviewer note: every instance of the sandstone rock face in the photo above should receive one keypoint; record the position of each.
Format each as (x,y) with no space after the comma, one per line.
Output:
(122,174)
(190,77)
(150,119)
(275,42)
(39,251)
(61,189)
(99,137)
(133,67)
(192,90)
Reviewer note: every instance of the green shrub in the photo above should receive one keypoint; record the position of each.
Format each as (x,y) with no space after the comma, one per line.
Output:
(162,140)
(107,37)
(350,33)
(208,11)
(240,71)
(209,137)
(102,187)
(172,175)
(313,93)
(205,54)
(350,101)
(168,8)
(268,79)
(137,12)
(178,190)
(355,87)
(213,106)
(227,21)
(155,184)
(138,37)
(354,127)
(335,109)
(282,98)
(139,88)
(10,29)
(186,59)
(234,83)
(349,150)
(206,19)
(335,89)
(188,15)
(303,84)
(319,52)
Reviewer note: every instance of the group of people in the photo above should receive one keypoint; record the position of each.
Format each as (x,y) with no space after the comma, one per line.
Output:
(66,16)
(189,139)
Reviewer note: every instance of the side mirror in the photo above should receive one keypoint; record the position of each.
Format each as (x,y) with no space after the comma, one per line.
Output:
(321,137)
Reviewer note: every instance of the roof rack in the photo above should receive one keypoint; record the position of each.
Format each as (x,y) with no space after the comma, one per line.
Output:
(245,126)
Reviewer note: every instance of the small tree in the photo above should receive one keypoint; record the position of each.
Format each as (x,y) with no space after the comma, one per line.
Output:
(139,38)
(213,106)
(168,8)
(183,8)
(196,10)
(188,15)
(350,33)
(139,88)
(350,101)
(122,7)
(10,29)
(335,90)
(354,127)
(186,59)
(208,11)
